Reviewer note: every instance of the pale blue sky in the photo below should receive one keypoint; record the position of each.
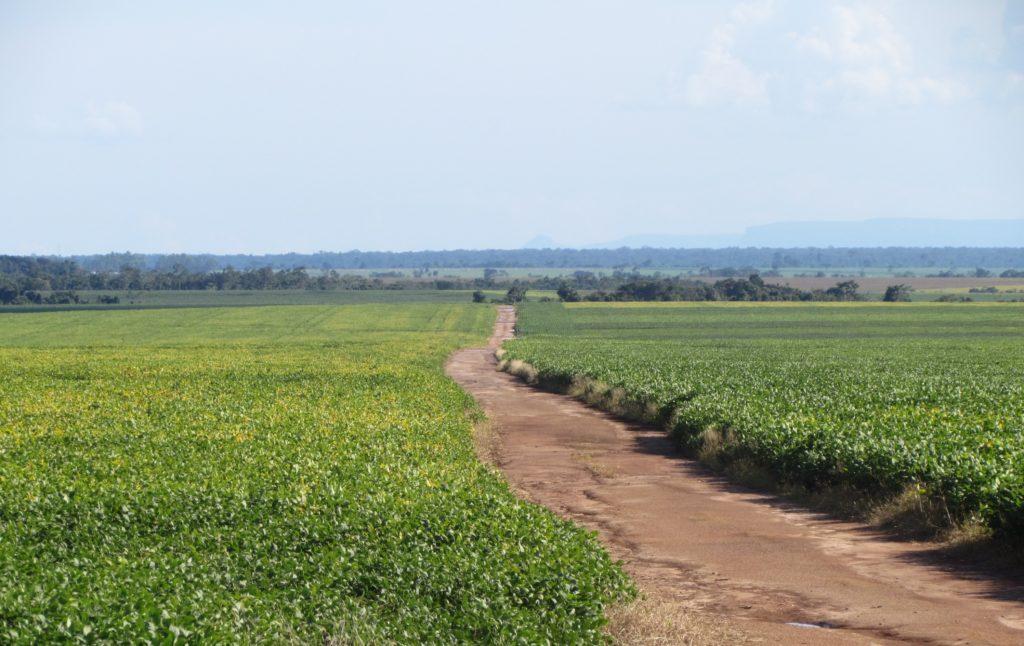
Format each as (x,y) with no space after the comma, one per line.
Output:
(267,127)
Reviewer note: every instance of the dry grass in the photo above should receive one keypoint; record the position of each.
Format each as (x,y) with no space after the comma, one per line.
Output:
(713,442)
(520,369)
(611,399)
(913,514)
(594,466)
(487,442)
(648,621)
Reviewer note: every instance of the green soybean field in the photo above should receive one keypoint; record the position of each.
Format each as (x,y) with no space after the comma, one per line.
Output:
(269,474)
(884,398)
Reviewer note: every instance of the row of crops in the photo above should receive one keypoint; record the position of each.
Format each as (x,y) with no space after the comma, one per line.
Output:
(270,474)
(880,397)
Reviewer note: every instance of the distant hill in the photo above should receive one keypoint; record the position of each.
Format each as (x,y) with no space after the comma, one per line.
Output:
(540,242)
(878,232)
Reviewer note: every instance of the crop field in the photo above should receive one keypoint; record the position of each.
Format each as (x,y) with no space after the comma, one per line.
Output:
(282,474)
(887,398)
(156,299)
(150,299)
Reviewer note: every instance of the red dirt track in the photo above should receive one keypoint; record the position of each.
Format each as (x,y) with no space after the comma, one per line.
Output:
(719,550)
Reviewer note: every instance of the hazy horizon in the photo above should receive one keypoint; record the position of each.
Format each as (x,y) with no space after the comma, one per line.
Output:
(399,126)
(859,234)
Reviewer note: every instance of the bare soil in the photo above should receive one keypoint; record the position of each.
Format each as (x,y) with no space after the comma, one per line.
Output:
(755,567)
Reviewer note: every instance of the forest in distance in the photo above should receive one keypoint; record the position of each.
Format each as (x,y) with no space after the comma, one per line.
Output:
(45,281)
(938,258)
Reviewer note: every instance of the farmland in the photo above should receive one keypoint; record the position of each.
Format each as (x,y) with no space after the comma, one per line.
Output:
(301,473)
(886,399)
(158,299)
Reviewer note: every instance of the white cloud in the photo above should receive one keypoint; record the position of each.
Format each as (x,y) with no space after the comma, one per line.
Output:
(866,37)
(873,82)
(1014,82)
(723,78)
(753,12)
(919,89)
(872,61)
(109,119)
(813,43)
(113,118)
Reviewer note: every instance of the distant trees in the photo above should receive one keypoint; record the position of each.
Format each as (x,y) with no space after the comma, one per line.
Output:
(755,289)
(41,274)
(660,289)
(66,297)
(479,297)
(752,288)
(844,291)
(29,279)
(8,291)
(568,294)
(516,293)
(11,293)
(727,272)
(897,293)
(21,275)
(977,272)
(735,261)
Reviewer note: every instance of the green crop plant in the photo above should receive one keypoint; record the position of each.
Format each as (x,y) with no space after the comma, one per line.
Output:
(268,474)
(878,397)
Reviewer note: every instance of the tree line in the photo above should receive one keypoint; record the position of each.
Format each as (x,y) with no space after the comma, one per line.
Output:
(752,288)
(24,280)
(938,258)
(37,280)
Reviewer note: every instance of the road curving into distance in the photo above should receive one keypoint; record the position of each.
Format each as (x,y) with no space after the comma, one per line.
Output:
(771,570)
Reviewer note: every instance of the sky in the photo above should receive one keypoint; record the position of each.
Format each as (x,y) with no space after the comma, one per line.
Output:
(302,126)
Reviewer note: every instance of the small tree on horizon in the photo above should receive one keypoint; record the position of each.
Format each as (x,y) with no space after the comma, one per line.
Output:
(897,293)
(844,291)
(516,294)
(568,294)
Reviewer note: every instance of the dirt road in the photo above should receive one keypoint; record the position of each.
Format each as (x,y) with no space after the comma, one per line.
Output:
(772,570)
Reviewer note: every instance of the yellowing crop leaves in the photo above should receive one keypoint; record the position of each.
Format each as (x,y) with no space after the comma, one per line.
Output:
(206,475)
